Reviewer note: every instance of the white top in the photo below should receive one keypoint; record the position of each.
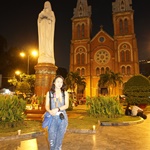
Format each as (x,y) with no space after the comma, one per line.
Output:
(135,110)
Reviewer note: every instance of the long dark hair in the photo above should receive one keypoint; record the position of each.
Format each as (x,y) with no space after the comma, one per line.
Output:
(53,85)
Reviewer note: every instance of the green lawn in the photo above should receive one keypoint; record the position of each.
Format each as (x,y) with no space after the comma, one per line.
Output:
(26,127)
(80,122)
(84,121)
(78,119)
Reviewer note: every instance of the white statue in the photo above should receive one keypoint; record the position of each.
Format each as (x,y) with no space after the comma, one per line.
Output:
(46,27)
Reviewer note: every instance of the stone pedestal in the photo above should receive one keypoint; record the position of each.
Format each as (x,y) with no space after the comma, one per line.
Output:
(34,114)
(45,73)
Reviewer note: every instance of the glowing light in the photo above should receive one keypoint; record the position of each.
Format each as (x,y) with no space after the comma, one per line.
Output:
(33,53)
(17,72)
(94,127)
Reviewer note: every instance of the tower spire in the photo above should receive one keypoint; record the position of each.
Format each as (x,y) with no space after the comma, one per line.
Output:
(82,9)
(122,5)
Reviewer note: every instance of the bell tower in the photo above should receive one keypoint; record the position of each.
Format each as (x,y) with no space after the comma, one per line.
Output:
(80,43)
(125,42)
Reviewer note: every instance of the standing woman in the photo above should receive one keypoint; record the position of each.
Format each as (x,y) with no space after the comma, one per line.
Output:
(57,101)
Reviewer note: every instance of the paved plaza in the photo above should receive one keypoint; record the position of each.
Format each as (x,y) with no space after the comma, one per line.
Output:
(131,137)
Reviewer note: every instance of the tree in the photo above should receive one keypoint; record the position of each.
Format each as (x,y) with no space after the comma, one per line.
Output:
(71,80)
(23,87)
(81,84)
(76,83)
(3,48)
(30,79)
(110,80)
(3,44)
(14,61)
(137,90)
(9,63)
(24,84)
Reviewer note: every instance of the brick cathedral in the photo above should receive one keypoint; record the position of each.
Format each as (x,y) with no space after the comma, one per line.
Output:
(91,57)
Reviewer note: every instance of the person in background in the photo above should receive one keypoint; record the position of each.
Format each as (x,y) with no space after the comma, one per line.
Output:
(137,111)
(57,101)
(34,99)
(128,110)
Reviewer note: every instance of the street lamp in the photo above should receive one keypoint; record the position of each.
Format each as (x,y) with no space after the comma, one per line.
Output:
(33,53)
(17,75)
(17,72)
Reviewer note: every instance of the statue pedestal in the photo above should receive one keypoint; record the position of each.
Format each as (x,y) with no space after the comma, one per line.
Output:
(45,73)
(34,114)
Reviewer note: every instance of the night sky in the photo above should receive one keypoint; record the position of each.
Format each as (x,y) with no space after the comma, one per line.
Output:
(18,24)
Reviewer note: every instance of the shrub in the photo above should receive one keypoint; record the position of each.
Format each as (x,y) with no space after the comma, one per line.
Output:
(137,90)
(11,110)
(104,106)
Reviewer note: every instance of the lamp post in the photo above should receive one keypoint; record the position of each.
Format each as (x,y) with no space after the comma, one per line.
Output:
(33,53)
(28,63)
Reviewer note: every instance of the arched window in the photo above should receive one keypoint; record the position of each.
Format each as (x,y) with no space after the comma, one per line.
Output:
(128,58)
(78,31)
(102,70)
(97,71)
(82,72)
(78,59)
(82,58)
(82,30)
(123,70)
(122,56)
(128,70)
(126,26)
(78,70)
(121,26)
(107,69)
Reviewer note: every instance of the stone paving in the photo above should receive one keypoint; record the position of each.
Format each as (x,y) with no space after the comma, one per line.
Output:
(133,137)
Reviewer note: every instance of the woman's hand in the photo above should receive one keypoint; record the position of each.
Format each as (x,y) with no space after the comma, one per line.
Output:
(54,111)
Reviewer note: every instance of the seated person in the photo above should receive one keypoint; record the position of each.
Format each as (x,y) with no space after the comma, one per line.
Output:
(137,111)
(34,99)
(128,110)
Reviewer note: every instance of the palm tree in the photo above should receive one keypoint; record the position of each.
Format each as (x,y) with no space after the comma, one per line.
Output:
(81,84)
(75,81)
(71,80)
(110,80)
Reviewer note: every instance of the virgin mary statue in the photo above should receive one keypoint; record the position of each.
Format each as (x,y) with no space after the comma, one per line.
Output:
(46,27)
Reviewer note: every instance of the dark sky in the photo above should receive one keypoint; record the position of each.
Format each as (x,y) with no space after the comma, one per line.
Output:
(19,24)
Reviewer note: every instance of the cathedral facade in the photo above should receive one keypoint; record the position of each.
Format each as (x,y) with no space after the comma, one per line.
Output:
(92,56)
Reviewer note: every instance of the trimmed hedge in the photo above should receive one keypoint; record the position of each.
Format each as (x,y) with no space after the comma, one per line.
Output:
(137,90)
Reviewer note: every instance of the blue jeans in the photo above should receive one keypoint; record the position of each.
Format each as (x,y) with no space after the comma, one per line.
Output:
(56,132)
